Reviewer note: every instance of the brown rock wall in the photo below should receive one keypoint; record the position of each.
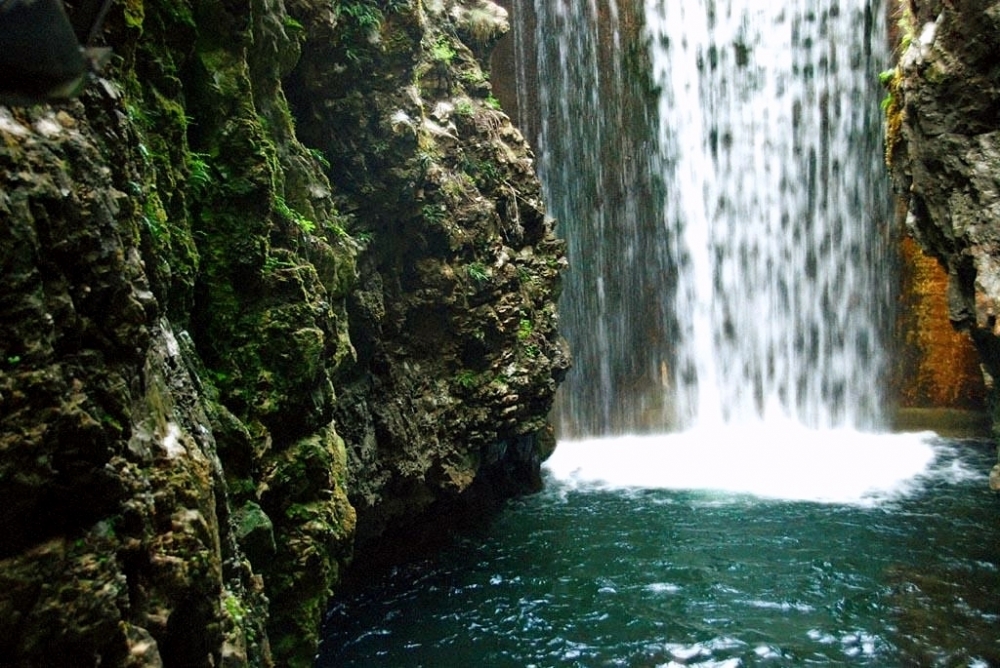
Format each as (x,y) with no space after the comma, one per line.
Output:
(944,150)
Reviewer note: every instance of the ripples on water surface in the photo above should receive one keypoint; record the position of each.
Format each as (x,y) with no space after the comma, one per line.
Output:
(610,574)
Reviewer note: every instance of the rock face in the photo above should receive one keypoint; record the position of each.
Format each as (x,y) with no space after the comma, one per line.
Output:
(936,366)
(943,146)
(280,284)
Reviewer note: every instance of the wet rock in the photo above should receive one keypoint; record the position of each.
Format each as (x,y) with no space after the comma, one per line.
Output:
(944,153)
(238,333)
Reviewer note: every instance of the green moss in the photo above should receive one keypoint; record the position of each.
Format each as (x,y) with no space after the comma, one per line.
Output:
(442,51)
(314,525)
(134,14)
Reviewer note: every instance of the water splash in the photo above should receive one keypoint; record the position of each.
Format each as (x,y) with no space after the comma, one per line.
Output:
(776,461)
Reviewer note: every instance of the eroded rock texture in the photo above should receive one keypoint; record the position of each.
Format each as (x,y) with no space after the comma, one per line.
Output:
(944,150)
(279,283)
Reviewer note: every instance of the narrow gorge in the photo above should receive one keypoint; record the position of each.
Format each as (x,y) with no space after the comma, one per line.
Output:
(281,302)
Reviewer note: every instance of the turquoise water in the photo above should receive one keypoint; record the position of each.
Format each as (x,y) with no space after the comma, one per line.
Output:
(591,573)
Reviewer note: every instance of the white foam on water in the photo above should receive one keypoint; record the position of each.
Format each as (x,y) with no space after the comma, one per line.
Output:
(787,462)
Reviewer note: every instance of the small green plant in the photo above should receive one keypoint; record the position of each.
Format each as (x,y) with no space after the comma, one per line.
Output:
(292,25)
(478,272)
(442,51)
(524,329)
(357,21)
(155,218)
(13,360)
(199,172)
(273,264)
(365,14)
(293,216)
(458,186)
(893,110)
(426,160)
(219,377)
(473,76)
(465,108)
(433,214)
(492,102)
(889,80)
(466,378)
(907,24)
(319,157)
(485,173)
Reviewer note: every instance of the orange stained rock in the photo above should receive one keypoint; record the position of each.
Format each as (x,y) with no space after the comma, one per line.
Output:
(937,367)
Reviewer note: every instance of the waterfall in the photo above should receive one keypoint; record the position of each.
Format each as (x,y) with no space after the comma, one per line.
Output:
(716,170)
(585,103)
(769,138)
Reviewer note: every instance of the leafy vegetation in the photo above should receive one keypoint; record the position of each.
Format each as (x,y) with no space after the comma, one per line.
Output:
(524,329)
(357,20)
(199,172)
(292,25)
(477,271)
(433,213)
(365,15)
(293,216)
(466,378)
(892,79)
(442,51)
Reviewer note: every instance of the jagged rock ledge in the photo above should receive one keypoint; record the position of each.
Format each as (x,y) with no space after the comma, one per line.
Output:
(279,285)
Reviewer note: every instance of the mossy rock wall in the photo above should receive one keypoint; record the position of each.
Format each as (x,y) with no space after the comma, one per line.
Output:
(277,286)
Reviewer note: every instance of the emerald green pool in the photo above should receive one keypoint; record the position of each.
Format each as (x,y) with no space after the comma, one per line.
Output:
(607,573)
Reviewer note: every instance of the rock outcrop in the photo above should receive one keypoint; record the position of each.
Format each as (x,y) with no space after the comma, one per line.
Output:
(936,367)
(279,285)
(943,147)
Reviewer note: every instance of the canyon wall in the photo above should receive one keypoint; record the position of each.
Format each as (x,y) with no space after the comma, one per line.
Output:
(276,288)
(943,148)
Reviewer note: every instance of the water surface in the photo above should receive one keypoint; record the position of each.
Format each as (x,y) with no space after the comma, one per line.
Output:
(592,573)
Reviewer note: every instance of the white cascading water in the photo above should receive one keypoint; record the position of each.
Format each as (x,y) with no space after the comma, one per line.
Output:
(777,204)
(584,102)
(745,324)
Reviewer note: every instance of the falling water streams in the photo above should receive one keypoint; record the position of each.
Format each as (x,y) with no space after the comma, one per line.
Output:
(586,101)
(726,210)
(769,139)
(724,492)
